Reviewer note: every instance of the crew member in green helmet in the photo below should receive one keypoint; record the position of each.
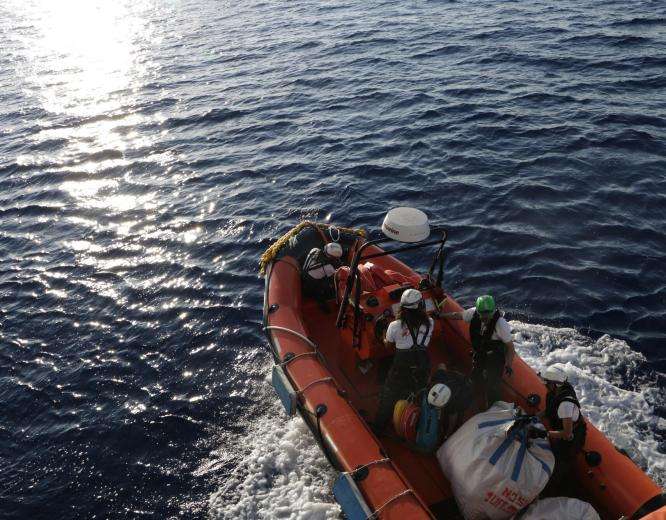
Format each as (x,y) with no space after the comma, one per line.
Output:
(492,343)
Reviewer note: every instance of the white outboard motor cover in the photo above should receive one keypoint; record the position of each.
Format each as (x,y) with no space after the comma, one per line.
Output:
(558,509)
(406,225)
(494,471)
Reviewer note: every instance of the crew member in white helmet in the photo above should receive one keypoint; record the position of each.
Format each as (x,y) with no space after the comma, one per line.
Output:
(318,270)
(567,425)
(409,335)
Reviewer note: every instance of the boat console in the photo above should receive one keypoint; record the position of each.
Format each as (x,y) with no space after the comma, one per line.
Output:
(375,303)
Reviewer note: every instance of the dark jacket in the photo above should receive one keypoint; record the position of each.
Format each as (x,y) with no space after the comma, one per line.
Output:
(565,393)
(482,343)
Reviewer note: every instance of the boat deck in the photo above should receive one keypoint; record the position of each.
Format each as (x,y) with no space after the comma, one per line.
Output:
(422,471)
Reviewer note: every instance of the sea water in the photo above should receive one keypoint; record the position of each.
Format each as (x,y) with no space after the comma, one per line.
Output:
(151,151)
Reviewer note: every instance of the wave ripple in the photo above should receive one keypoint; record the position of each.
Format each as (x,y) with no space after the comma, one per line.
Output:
(151,151)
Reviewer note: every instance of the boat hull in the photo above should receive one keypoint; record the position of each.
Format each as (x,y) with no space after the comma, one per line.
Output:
(337,401)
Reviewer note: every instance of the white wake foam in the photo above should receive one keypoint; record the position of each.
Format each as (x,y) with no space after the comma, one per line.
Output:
(281,472)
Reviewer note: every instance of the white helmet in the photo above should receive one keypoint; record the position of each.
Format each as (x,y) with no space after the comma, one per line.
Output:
(411,299)
(439,395)
(333,249)
(554,375)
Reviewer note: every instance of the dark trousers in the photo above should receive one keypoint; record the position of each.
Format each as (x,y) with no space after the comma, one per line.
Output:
(407,376)
(487,374)
(561,482)
(321,290)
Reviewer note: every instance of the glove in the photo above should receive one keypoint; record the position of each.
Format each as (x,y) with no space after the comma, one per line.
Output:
(508,370)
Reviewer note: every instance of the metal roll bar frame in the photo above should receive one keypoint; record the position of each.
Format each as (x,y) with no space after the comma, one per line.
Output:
(438,259)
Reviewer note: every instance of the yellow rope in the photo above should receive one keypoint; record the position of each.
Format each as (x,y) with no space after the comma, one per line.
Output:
(270,253)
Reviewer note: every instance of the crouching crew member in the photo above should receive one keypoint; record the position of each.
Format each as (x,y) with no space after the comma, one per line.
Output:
(568,430)
(318,270)
(457,396)
(408,375)
(492,345)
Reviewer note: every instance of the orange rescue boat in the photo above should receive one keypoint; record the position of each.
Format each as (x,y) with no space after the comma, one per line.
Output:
(329,368)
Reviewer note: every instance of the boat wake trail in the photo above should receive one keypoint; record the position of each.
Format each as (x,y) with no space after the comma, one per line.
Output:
(282,473)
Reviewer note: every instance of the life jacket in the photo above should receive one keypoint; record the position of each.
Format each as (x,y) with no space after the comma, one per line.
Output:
(564,393)
(423,345)
(318,266)
(415,358)
(482,343)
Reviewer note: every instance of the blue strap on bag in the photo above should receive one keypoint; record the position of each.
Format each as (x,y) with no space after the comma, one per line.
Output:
(521,436)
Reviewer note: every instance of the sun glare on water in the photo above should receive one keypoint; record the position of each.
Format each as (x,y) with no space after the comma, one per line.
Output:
(85,62)
(83,53)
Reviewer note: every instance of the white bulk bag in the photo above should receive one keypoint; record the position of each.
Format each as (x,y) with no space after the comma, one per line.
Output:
(495,473)
(559,509)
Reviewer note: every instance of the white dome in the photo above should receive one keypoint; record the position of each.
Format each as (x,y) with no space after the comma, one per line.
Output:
(406,225)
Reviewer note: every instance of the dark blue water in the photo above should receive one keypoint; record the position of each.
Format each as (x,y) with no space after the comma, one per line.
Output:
(150,151)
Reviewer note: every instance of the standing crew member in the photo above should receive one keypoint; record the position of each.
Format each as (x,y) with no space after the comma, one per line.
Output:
(568,430)
(318,270)
(492,344)
(408,375)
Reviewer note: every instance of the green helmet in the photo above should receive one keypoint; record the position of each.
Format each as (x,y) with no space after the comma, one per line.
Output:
(485,303)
